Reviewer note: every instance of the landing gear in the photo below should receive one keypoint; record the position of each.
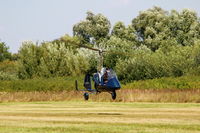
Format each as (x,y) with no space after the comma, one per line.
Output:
(86,96)
(114,95)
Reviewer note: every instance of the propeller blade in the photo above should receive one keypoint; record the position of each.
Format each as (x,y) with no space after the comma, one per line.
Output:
(76,43)
(80,45)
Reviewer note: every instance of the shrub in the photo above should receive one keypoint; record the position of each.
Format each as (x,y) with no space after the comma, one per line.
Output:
(51,60)
(8,70)
(148,65)
(7,76)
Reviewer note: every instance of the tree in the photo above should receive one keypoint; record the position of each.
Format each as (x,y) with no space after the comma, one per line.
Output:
(29,60)
(4,53)
(184,26)
(125,33)
(157,27)
(152,27)
(92,30)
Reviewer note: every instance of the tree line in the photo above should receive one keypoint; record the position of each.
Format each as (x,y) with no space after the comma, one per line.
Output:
(156,44)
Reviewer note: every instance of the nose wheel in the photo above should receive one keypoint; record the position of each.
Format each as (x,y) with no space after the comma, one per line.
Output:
(114,95)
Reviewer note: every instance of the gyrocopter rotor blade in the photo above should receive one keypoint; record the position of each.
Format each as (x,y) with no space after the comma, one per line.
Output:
(100,51)
(80,45)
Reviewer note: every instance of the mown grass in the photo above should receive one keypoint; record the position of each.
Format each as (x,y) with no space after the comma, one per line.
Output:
(99,117)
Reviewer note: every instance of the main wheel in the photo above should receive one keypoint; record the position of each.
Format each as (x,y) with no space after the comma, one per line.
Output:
(86,96)
(114,95)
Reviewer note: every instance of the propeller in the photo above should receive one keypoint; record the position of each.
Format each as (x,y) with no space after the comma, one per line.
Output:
(78,44)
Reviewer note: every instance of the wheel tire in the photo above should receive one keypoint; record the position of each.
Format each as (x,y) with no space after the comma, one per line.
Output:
(86,96)
(114,95)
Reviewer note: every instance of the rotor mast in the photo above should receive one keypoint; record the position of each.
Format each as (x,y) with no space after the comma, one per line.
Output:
(100,65)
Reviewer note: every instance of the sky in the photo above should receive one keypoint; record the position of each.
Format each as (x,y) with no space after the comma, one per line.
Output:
(46,20)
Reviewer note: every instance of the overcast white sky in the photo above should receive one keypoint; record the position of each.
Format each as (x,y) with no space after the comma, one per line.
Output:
(45,20)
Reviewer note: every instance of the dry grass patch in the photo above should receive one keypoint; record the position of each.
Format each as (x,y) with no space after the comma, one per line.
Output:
(124,95)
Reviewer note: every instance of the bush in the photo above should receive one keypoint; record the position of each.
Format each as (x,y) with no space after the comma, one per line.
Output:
(8,66)
(7,76)
(145,64)
(174,83)
(8,70)
(51,60)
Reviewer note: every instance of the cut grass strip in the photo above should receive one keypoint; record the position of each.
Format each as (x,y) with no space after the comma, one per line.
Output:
(100,117)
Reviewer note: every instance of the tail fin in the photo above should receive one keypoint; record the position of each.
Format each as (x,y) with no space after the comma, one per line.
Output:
(87,82)
(76,84)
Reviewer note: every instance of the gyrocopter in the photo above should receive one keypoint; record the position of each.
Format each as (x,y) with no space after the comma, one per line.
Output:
(105,79)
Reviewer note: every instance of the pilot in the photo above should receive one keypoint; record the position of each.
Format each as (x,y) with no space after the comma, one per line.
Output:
(105,76)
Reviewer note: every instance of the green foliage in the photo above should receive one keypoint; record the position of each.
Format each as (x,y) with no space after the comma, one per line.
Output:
(8,66)
(4,53)
(175,83)
(40,84)
(29,61)
(135,67)
(145,64)
(57,60)
(155,26)
(50,60)
(7,76)
(8,70)
(92,30)
(67,83)
(116,49)
(125,33)
(71,43)
(93,63)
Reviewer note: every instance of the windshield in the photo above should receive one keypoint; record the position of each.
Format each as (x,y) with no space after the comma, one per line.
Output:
(108,72)
(111,74)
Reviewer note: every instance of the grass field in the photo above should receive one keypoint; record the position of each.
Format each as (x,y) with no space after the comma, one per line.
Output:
(123,95)
(68,84)
(99,117)
(172,89)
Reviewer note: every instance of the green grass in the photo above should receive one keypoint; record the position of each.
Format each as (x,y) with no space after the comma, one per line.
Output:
(67,83)
(181,90)
(180,83)
(40,84)
(99,117)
